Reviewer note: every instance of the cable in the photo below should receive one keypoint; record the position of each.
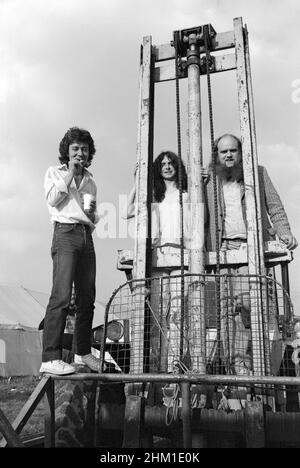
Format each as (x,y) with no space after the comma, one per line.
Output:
(215,191)
(177,61)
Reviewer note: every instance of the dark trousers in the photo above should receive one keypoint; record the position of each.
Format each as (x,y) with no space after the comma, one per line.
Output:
(74,260)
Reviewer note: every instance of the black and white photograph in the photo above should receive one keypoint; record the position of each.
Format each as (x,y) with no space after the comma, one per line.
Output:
(149,259)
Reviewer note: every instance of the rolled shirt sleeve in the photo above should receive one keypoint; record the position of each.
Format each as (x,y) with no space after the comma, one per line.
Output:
(56,189)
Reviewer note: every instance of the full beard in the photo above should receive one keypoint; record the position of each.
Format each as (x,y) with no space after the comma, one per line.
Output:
(230,173)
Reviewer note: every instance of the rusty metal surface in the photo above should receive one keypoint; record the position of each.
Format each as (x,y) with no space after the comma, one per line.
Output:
(235,380)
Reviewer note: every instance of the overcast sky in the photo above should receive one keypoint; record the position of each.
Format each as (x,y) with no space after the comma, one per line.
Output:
(76,62)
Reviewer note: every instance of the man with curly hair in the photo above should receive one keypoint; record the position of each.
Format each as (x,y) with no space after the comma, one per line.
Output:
(71,198)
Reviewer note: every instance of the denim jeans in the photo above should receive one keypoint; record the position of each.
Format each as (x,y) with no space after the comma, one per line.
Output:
(74,260)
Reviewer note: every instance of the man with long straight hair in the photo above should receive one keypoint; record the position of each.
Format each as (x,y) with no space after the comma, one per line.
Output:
(165,323)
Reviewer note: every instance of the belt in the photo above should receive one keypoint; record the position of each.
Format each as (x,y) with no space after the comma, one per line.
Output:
(75,225)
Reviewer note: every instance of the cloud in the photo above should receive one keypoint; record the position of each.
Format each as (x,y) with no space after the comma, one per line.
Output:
(283,163)
(72,62)
(17,241)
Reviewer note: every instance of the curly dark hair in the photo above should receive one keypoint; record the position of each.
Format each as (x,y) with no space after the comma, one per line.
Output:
(159,186)
(75,134)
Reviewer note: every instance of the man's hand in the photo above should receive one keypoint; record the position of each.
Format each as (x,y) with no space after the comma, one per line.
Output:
(91,212)
(76,165)
(290,241)
(204,173)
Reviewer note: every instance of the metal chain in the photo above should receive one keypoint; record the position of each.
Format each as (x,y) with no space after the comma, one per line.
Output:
(177,60)
(215,191)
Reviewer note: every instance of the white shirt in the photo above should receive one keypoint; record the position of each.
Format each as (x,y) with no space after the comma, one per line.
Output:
(65,204)
(166,219)
(234,221)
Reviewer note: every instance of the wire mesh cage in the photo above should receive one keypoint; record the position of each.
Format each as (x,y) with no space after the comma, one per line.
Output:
(214,324)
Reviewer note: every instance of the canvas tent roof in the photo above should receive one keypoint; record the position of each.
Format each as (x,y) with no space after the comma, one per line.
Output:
(25,308)
(21,311)
(18,309)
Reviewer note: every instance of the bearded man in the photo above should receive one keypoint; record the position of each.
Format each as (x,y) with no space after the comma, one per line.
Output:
(232,234)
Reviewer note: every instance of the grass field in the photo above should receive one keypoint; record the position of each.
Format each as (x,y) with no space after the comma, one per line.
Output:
(14,392)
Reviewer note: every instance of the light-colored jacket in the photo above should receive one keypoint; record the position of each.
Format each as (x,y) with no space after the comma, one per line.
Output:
(274,218)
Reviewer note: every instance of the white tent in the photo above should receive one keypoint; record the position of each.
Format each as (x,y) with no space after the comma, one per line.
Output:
(21,311)
(20,340)
(43,298)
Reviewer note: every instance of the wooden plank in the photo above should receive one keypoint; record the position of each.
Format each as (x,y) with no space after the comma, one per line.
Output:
(252,230)
(50,415)
(167,72)
(163,52)
(31,404)
(221,41)
(274,252)
(141,214)
(29,407)
(12,438)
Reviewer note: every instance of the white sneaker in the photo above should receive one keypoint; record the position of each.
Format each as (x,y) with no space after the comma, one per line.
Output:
(57,367)
(88,360)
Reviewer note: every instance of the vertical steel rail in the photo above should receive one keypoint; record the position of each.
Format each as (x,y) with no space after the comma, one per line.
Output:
(182,289)
(197,260)
(254,155)
(216,201)
(262,269)
(141,246)
(141,215)
(257,325)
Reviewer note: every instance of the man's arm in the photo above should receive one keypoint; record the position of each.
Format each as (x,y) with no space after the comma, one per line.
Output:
(277,213)
(289,240)
(129,210)
(92,213)
(56,189)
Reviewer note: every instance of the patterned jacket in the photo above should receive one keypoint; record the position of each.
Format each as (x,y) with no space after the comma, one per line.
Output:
(274,218)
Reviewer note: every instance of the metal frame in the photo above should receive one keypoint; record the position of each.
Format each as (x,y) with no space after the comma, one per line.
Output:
(155,70)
